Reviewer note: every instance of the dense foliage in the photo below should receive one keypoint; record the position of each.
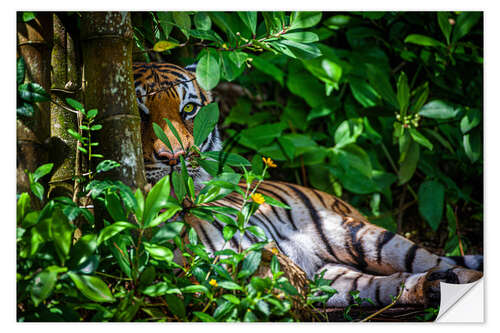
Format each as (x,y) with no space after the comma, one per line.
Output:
(383,109)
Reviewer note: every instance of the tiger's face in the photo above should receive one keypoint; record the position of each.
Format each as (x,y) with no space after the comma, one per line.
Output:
(169,91)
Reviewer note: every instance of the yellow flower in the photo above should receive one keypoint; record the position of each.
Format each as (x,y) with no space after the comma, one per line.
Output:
(269,162)
(213,283)
(274,250)
(258,198)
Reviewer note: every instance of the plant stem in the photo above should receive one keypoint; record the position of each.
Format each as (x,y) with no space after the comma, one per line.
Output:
(386,307)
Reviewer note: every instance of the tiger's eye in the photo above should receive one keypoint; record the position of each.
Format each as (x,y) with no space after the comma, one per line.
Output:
(188,108)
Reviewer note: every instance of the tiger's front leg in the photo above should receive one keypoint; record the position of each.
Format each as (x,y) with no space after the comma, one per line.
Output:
(418,288)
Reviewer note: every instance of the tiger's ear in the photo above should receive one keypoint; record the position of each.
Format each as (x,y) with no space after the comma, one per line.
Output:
(192,67)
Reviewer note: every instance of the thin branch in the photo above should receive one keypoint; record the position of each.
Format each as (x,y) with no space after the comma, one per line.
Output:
(394,301)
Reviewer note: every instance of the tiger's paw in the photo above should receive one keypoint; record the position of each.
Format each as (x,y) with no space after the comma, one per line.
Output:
(457,275)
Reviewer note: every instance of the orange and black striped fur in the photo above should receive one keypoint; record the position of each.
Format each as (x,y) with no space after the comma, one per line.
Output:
(319,233)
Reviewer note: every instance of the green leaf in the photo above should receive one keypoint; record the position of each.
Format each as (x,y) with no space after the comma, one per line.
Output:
(176,305)
(231,69)
(302,37)
(28,16)
(403,93)
(106,165)
(472,145)
(61,233)
(204,317)
(438,109)
(33,92)
(347,132)
(202,21)
(74,104)
(296,50)
(162,136)
(471,119)
(23,207)
(164,45)
(257,231)
(208,70)
(179,186)
(37,190)
(274,265)
(250,264)
(42,171)
(231,298)
(92,287)
(273,202)
(302,20)
(421,94)
(431,202)
(420,138)
(183,21)
(113,229)
(228,232)
(205,122)
(20,70)
(174,131)
(156,290)
(229,285)
(25,110)
(92,113)
(43,284)
(409,165)
(269,68)
(380,81)
(465,22)
(422,40)
(157,199)
(195,288)
(352,157)
(259,136)
(114,206)
(363,92)
(96,127)
(250,20)
(159,252)
(228,158)
(250,317)
(444,25)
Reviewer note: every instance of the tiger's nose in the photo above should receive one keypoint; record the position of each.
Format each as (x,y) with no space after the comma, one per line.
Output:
(169,158)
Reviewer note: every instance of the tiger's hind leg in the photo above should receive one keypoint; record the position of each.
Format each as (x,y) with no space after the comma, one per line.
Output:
(419,288)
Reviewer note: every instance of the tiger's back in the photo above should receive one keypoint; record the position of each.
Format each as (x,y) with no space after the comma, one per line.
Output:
(319,233)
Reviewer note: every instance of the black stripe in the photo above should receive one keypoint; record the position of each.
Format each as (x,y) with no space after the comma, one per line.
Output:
(410,257)
(268,226)
(207,239)
(377,293)
(280,198)
(315,219)
(383,239)
(354,286)
(459,260)
(359,253)
(338,276)
(319,196)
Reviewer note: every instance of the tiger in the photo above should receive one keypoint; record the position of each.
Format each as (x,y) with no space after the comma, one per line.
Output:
(320,233)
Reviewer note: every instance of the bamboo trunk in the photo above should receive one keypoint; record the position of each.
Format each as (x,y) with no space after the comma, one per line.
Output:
(63,145)
(34,41)
(108,86)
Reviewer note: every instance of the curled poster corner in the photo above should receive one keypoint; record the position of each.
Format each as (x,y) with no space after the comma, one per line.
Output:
(462,303)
